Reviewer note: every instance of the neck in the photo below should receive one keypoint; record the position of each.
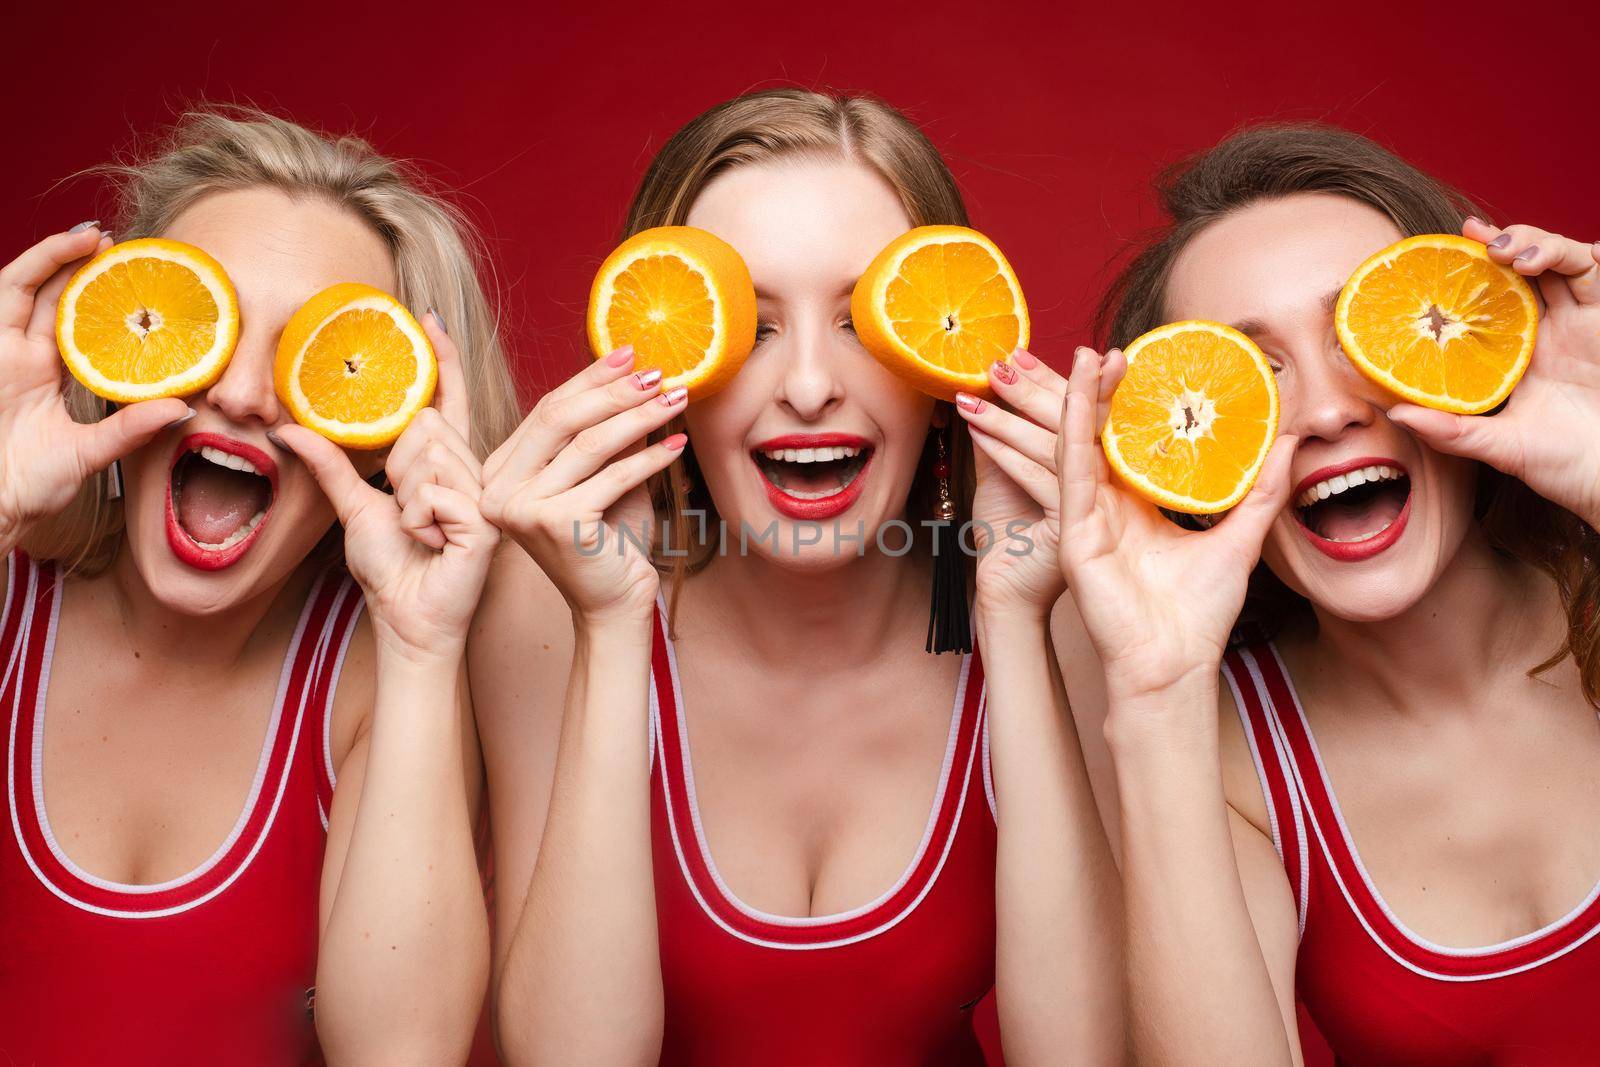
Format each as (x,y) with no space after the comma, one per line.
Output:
(1482,618)
(845,617)
(213,641)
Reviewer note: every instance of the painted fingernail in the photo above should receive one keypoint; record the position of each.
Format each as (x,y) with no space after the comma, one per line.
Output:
(647,379)
(1005,372)
(620,357)
(1025,359)
(676,442)
(181,419)
(674,397)
(272,435)
(80,227)
(969,403)
(439,319)
(1527,254)
(1501,241)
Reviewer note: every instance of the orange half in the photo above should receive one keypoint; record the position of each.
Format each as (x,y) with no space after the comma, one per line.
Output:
(1436,321)
(938,306)
(1194,417)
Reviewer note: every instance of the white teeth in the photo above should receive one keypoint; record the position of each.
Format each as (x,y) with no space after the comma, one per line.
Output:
(810,455)
(227,459)
(1329,487)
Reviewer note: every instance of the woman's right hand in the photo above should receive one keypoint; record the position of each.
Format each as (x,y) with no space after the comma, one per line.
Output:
(1159,601)
(45,456)
(559,489)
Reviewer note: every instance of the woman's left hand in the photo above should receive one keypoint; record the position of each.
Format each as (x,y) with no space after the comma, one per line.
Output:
(1016,507)
(1548,433)
(421,554)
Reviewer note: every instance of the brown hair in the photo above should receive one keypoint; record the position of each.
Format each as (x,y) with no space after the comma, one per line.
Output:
(760,127)
(1271,161)
(438,263)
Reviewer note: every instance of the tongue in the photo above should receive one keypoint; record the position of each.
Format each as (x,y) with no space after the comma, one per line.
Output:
(1361,520)
(215,501)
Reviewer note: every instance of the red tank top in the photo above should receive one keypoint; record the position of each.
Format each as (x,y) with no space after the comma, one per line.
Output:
(894,981)
(211,967)
(1378,992)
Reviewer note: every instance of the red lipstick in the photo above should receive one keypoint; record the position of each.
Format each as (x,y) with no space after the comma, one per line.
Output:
(1352,551)
(817,509)
(186,548)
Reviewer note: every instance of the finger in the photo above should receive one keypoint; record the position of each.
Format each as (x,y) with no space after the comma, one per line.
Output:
(1557,291)
(1480,230)
(450,394)
(428,431)
(1472,436)
(332,469)
(1040,373)
(128,428)
(1038,481)
(1585,287)
(21,278)
(1248,522)
(435,466)
(596,446)
(1113,367)
(1529,250)
(440,517)
(1030,399)
(1078,466)
(1031,439)
(617,479)
(556,420)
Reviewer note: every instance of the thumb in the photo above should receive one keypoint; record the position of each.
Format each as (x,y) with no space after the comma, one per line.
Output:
(330,467)
(101,443)
(1249,521)
(1470,436)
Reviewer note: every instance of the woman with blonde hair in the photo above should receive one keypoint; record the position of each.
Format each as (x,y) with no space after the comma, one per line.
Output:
(184,881)
(825,878)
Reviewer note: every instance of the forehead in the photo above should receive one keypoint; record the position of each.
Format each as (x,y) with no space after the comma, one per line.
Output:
(801,219)
(1275,259)
(278,248)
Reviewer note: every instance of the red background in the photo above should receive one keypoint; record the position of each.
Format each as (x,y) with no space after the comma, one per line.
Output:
(1053,116)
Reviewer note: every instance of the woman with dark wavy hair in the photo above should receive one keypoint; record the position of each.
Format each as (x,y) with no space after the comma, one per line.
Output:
(1388,810)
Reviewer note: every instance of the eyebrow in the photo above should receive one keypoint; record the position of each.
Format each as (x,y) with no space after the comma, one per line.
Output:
(1253,327)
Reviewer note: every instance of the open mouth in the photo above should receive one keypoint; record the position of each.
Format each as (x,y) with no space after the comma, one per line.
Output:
(1354,510)
(219,494)
(813,476)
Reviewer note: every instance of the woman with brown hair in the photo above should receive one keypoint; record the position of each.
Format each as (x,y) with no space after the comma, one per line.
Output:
(823,880)
(1403,835)
(198,648)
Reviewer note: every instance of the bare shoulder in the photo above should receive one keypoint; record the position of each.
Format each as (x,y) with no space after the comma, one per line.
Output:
(519,651)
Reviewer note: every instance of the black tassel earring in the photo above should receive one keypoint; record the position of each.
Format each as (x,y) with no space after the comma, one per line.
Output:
(949,616)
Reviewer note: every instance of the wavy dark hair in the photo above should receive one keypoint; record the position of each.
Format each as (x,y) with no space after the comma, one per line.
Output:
(1277,160)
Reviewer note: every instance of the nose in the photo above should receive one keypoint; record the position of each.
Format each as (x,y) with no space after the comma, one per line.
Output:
(811,384)
(1331,398)
(244,393)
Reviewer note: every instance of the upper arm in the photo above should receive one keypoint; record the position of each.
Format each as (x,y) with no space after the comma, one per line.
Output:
(1086,694)
(519,656)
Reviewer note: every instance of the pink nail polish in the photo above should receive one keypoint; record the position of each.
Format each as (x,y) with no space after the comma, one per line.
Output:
(674,397)
(1005,372)
(1025,359)
(620,357)
(648,379)
(676,441)
(969,403)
